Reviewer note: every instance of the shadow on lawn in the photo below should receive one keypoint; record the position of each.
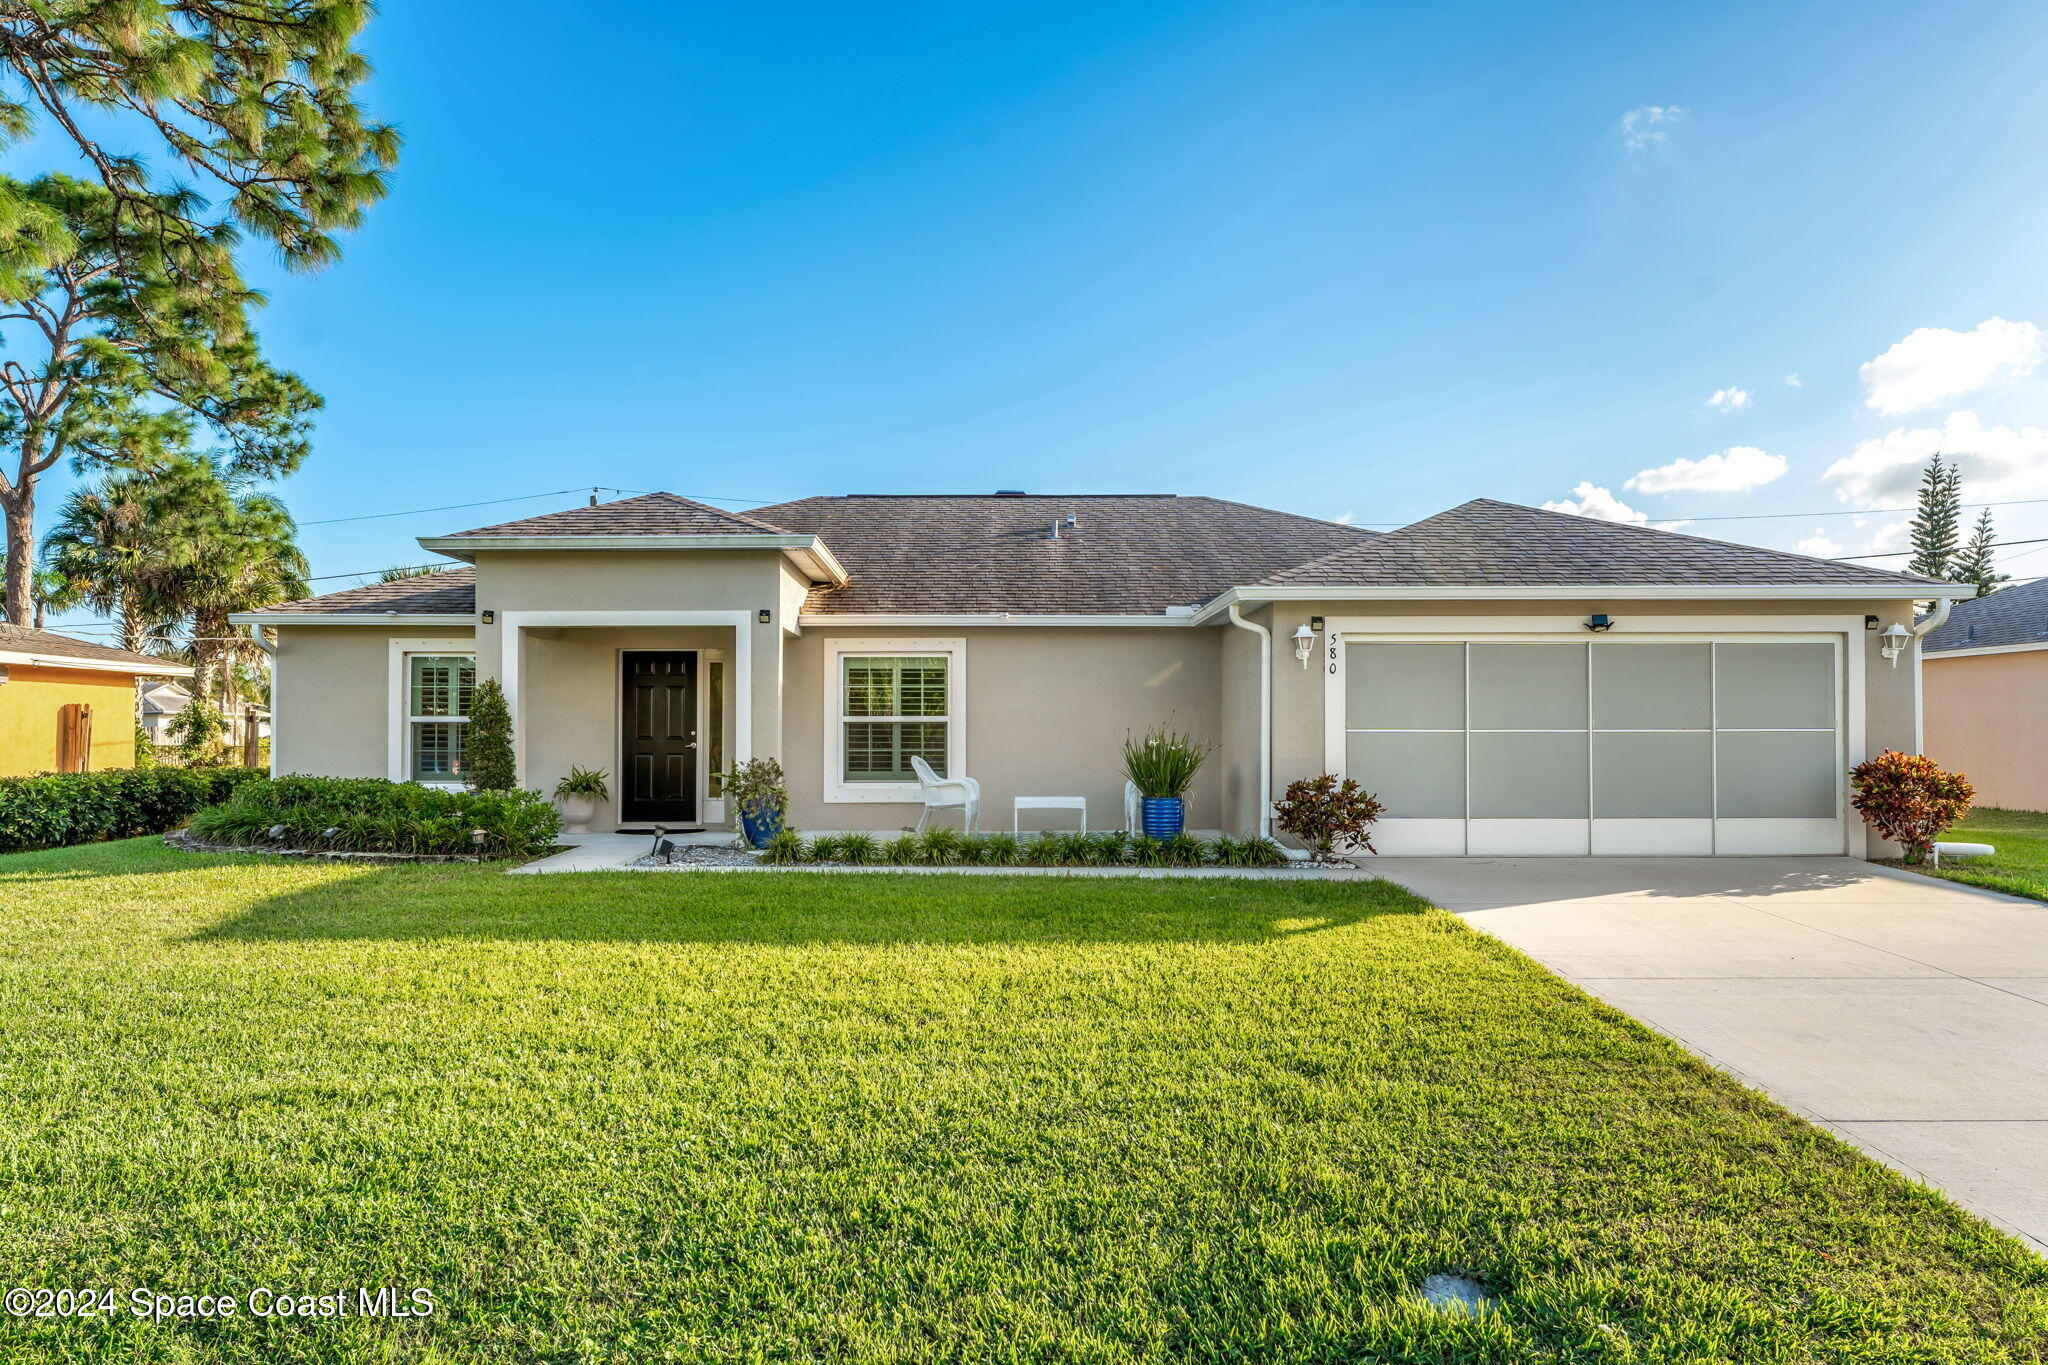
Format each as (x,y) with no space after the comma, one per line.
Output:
(796,908)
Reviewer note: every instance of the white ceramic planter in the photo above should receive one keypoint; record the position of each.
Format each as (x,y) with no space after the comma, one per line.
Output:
(577,812)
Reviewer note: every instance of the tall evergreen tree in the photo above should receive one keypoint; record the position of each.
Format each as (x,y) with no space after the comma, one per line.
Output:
(1978,564)
(122,357)
(1937,521)
(256,99)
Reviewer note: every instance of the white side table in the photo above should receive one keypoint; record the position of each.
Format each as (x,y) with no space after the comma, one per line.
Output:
(1024,803)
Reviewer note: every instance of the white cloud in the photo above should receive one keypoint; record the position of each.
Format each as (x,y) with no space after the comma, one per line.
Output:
(1599,504)
(1820,547)
(1934,363)
(1346,519)
(1998,463)
(1735,470)
(1647,124)
(1729,399)
(1792,382)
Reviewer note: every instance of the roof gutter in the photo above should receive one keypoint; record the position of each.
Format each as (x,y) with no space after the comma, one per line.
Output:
(30,660)
(1265,718)
(1553,592)
(811,555)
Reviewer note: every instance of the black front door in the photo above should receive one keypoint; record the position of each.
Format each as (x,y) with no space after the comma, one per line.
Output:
(658,768)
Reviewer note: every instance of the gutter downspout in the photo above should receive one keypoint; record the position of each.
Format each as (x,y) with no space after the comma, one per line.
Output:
(1942,607)
(1265,718)
(263,642)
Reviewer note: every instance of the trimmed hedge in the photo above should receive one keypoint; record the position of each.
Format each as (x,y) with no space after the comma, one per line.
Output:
(51,810)
(371,815)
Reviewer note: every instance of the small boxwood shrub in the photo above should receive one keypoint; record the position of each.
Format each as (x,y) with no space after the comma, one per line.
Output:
(371,815)
(53,810)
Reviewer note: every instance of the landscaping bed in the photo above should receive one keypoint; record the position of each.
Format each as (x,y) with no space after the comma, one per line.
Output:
(613,1117)
(945,847)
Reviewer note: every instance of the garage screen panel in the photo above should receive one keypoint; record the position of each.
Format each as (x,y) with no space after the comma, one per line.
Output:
(1608,747)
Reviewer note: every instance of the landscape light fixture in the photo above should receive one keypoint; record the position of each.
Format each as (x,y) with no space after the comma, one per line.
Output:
(477,837)
(1304,644)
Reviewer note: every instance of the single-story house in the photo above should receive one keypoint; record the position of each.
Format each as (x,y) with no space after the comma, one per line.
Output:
(1986,675)
(1507,680)
(68,705)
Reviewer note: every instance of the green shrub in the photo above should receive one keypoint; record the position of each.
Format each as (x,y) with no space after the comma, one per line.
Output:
(487,753)
(785,847)
(938,847)
(52,810)
(1263,852)
(827,848)
(1042,850)
(862,850)
(371,815)
(1225,851)
(1183,850)
(901,851)
(1001,850)
(974,849)
(1147,851)
(1075,850)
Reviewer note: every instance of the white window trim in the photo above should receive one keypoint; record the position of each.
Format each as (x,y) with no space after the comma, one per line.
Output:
(838,791)
(399,698)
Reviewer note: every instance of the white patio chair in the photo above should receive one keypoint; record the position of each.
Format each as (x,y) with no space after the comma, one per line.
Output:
(947,793)
(1133,809)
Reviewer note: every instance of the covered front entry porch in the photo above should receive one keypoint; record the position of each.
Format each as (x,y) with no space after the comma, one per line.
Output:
(662,702)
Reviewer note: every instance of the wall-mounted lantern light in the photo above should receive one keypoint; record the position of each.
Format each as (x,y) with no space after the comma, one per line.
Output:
(1599,622)
(1304,644)
(1892,642)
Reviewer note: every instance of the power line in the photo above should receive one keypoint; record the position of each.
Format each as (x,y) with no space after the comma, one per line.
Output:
(1901,554)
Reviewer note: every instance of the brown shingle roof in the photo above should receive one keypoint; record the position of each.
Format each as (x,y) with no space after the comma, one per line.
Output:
(1484,543)
(973,554)
(653,514)
(49,644)
(444,592)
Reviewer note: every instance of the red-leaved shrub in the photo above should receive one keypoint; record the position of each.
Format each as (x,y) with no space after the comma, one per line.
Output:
(1909,799)
(1320,810)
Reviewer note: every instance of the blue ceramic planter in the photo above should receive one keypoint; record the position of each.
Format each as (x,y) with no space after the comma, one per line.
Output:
(1165,816)
(760,828)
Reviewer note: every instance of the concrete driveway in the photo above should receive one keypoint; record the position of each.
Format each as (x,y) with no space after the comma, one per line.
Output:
(1907,1014)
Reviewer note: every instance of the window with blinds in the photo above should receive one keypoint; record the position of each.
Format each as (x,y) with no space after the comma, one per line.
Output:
(894,708)
(438,689)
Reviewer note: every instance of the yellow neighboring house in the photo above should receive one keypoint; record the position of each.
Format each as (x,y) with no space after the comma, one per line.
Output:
(68,705)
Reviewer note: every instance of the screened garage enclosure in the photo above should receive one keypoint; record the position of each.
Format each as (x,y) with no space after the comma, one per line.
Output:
(1601,746)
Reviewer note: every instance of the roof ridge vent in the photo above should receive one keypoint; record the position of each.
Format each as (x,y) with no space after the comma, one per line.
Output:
(1010,493)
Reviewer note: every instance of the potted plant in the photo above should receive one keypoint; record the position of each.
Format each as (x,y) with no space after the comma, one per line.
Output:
(579,795)
(1162,766)
(1332,817)
(757,791)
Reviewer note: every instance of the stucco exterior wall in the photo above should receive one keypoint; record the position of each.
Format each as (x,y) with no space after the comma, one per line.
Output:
(331,704)
(1047,711)
(1987,716)
(32,702)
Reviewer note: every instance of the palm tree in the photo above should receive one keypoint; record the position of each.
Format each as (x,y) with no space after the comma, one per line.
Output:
(227,549)
(105,554)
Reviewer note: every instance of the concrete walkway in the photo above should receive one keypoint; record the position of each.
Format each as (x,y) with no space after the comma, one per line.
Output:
(1907,1014)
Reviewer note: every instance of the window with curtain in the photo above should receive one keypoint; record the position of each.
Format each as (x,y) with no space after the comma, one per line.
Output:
(894,708)
(438,690)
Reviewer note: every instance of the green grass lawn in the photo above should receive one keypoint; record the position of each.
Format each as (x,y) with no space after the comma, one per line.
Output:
(2021,838)
(760,1117)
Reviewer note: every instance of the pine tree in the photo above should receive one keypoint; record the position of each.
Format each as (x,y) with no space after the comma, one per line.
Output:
(1977,564)
(1938,520)
(487,747)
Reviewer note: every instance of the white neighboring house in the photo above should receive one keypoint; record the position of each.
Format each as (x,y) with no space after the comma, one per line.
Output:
(162,701)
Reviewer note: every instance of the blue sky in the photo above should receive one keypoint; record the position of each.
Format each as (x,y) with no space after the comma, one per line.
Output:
(1346,259)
